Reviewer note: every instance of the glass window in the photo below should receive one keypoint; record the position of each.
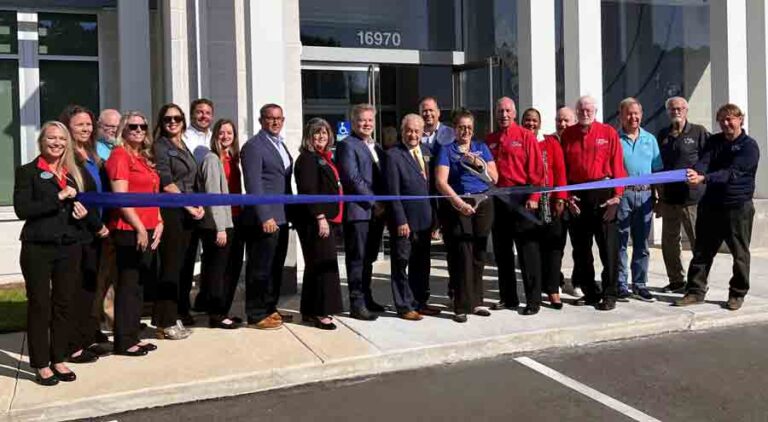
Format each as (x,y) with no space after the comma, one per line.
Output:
(9,123)
(8,33)
(68,34)
(63,83)
(398,24)
(653,50)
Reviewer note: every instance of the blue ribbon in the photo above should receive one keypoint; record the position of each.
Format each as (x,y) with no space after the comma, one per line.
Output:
(165,200)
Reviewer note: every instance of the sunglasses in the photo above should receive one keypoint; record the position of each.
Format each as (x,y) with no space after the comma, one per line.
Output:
(136,126)
(169,119)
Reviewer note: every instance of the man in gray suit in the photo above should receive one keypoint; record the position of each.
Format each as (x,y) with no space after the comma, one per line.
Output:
(267,168)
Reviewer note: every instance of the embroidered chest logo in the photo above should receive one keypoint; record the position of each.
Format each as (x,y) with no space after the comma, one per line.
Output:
(515,144)
(688,141)
(601,142)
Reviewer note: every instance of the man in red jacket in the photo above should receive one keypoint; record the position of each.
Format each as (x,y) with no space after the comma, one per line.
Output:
(518,160)
(592,151)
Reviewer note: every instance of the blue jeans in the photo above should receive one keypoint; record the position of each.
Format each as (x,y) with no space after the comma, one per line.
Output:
(634,219)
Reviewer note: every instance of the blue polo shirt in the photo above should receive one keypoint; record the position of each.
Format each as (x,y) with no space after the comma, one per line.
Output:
(459,178)
(641,156)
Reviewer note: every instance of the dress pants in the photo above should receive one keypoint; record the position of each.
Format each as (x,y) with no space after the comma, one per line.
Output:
(410,263)
(177,233)
(264,271)
(106,277)
(235,262)
(714,226)
(510,223)
(673,217)
(135,271)
(213,272)
(51,274)
(320,286)
(188,274)
(584,227)
(551,245)
(85,325)
(466,240)
(362,240)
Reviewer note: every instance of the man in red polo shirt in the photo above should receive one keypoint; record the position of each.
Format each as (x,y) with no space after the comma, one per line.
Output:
(518,160)
(592,151)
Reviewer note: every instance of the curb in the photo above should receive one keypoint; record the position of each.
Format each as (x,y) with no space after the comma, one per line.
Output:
(376,364)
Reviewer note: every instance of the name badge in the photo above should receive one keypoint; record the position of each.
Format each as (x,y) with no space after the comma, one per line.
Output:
(173,153)
(46,175)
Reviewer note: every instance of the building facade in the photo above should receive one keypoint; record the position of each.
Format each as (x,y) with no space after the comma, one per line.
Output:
(318,57)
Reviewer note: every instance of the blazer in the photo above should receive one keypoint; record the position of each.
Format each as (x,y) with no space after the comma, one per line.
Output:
(359,175)
(211,179)
(175,165)
(315,177)
(47,219)
(264,174)
(404,177)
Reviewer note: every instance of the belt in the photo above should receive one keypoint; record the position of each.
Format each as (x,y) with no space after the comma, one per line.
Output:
(638,188)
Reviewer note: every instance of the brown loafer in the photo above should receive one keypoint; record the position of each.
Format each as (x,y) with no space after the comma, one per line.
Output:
(689,299)
(411,316)
(429,310)
(267,323)
(734,303)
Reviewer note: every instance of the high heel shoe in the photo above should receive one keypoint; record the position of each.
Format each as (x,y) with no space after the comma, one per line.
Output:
(63,376)
(140,351)
(47,382)
(219,323)
(557,305)
(324,326)
(149,347)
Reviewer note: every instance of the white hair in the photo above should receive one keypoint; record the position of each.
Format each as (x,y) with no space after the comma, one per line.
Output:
(670,100)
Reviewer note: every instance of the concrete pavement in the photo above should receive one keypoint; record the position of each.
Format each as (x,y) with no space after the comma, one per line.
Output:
(219,363)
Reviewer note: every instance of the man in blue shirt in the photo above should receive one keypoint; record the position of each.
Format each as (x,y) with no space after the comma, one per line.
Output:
(641,156)
(728,166)
(109,119)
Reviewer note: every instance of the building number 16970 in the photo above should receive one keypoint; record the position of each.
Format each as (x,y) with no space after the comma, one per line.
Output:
(379,38)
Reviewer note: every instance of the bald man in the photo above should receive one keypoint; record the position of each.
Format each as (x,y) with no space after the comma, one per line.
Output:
(565,117)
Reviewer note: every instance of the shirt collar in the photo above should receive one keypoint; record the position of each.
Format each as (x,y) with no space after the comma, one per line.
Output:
(275,139)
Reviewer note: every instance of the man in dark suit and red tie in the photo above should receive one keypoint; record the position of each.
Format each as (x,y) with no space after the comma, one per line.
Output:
(410,221)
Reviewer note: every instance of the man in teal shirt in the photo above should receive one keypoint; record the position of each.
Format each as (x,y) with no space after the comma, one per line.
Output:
(641,156)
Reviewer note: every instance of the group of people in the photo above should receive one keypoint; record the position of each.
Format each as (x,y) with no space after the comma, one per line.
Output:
(72,253)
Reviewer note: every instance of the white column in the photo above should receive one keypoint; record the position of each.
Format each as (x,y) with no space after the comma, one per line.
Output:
(583,55)
(757,80)
(29,85)
(176,52)
(536,60)
(133,46)
(728,53)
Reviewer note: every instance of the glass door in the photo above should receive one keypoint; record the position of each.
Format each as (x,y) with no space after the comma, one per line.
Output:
(9,127)
(475,87)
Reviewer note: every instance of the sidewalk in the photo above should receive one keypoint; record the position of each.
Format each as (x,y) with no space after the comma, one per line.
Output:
(217,363)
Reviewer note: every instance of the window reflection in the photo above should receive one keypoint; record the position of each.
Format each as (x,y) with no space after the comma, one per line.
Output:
(8,33)
(68,34)
(63,83)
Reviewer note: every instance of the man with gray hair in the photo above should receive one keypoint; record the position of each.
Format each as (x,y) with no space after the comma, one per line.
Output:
(681,144)
(109,119)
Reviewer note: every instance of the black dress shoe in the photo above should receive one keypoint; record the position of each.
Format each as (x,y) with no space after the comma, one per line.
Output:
(101,349)
(532,310)
(329,326)
(138,352)
(556,305)
(236,320)
(48,382)
(86,356)
(606,305)
(461,318)
(64,377)
(499,306)
(374,307)
(363,314)
(149,347)
(218,323)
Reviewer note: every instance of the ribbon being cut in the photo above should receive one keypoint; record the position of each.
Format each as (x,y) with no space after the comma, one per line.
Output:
(164,200)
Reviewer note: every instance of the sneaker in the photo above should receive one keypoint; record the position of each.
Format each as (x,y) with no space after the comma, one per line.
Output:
(181,327)
(689,299)
(677,287)
(623,296)
(643,294)
(734,303)
(174,332)
(577,292)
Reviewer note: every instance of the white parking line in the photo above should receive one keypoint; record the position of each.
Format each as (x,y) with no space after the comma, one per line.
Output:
(586,390)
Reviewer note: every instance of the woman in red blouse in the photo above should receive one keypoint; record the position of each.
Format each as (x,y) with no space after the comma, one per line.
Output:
(136,231)
(317,225)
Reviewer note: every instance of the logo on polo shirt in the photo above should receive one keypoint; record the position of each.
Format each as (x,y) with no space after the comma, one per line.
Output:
(601,142)
(688,141)
(515,144)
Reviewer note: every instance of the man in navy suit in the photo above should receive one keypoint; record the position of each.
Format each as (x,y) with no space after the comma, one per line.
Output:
(407,173)
(267,168)
(360,163)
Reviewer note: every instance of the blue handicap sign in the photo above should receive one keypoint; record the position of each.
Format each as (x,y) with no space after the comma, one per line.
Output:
(342,129)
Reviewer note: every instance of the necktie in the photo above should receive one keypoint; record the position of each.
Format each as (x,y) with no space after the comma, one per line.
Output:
(417,156)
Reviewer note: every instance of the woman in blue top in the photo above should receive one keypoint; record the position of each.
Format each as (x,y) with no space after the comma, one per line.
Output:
(85,330)
(465,167)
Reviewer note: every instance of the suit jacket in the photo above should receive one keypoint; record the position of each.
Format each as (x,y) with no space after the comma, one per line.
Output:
(264,174)
(175,165)
(315,177)
(404,177)
(49,220)
(359,175)
(213,180)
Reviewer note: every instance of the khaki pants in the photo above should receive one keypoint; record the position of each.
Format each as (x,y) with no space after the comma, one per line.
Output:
(673,217)
(104,298)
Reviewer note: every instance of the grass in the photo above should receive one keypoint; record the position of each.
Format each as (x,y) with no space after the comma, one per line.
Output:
(13,309)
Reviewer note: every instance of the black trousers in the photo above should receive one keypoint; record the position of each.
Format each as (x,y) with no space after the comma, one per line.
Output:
(174,264)
(135,270)
(264,271)
(551,245)
(410,263)
(188,273)
(320,287)
(213,272)
(51,274)
(362,240)
(85,325)
(235,262)
(584,227)
(512,226)
(713,227)
(466,240)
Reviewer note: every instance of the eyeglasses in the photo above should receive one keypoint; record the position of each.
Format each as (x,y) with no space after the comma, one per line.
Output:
(136,126)
(169,119)
(274,119)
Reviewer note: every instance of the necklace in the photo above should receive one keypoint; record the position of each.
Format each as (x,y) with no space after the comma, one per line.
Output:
(463,148)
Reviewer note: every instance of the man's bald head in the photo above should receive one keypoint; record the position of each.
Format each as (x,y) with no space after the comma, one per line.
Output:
(505,112)
(565,117)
